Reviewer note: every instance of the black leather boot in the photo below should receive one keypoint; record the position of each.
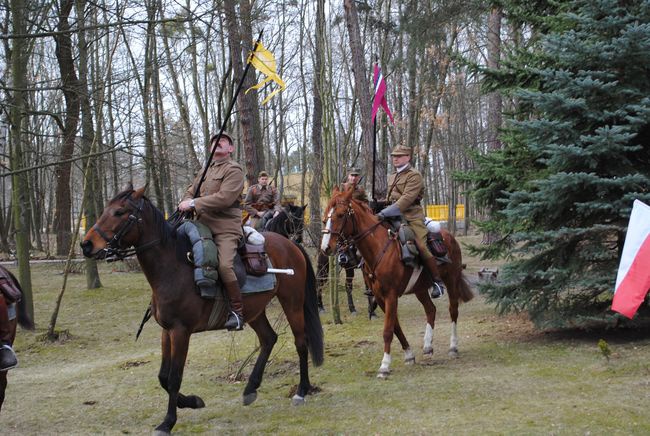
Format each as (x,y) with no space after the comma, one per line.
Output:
(235,319)
(438,285)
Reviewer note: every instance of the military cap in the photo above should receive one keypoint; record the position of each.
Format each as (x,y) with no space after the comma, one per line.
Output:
(401,150)
(354,171)
(223,134)
(263,174)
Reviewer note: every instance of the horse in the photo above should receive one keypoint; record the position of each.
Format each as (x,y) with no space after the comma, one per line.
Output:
(289,222)
(131,220)
(22,318)
(353,221)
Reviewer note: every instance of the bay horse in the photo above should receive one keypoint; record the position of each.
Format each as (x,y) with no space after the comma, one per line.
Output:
(289,223)
(22,318)
(131,220)
(352,220)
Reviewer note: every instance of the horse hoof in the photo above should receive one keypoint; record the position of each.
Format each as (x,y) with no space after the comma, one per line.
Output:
(409,361)
(250,398)
(157,432)
(383,375)
(427,351)
(297,400)
(191,402)
(453,353)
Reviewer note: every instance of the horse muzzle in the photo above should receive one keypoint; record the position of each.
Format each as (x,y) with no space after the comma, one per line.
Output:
(87,250)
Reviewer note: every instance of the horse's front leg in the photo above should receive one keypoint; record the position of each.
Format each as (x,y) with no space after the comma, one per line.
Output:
(389,306)
(175,343)
(430,311)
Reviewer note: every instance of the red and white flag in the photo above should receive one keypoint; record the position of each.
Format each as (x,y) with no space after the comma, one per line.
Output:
(380,95)
(633,279)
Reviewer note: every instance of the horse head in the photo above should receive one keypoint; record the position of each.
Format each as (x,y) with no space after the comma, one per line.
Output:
(118,227)
(338,221)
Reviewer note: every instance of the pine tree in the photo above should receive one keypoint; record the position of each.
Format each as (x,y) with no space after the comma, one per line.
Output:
(574,159)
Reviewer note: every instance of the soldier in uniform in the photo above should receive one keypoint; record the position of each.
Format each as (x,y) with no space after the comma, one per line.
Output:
(405,192)
(262,201)
(219,207)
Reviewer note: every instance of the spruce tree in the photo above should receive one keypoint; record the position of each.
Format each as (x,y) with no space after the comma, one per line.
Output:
(575,157)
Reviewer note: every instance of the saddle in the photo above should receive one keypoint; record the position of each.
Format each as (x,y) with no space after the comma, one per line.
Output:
(8,287)
(435,243)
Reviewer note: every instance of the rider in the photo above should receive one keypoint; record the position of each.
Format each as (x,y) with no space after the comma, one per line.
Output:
(218,206)
(262,201)
(8,357)
(405,192)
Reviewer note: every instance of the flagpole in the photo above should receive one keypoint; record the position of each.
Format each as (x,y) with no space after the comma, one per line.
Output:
(374,157)
(176,218)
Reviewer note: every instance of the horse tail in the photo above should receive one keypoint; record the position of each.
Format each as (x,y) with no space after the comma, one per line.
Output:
(22,315)
(313,326)
(466,293)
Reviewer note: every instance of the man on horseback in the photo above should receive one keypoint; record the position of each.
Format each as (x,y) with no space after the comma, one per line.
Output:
(262,201)
(218,206)
(405,192)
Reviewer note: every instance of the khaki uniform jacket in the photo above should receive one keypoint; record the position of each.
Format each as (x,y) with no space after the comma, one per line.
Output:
(219,203)
(406,189)
(267,196)
(358,194)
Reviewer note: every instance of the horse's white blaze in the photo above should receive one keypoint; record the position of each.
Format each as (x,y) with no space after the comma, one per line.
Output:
(453,343)
(408,355)
(428,337)
(385,363)
(327,231)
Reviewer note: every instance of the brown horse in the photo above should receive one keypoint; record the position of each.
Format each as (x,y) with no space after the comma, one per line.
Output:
(22,318)
(130,220)
(353,220)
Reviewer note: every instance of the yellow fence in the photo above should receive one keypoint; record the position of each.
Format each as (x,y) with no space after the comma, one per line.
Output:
(440,212)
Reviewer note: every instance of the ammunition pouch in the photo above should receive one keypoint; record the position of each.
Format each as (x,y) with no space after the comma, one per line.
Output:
(255,259)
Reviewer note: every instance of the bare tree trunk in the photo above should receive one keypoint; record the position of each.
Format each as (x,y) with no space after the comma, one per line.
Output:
(360,82)
(198,96)
(62,216)
(17,120)
(87,137)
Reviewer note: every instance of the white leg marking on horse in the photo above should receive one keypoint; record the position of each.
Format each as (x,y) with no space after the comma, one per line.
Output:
(453,343)
(409,357)
(297,400)
(427,348)
(384,369)
(325,242)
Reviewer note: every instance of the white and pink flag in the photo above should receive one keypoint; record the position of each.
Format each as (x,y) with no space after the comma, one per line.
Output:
(380,95)
(633,279)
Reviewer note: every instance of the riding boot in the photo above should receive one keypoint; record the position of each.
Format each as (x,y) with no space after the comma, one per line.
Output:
(235,319)
(348,290)
(8,358)
(438,285)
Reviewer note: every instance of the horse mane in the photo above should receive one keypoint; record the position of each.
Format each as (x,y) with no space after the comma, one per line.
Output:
(159,222)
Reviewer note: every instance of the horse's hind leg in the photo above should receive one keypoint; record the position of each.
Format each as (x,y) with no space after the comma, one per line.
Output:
(268,338)
(430,311)
(453,312)
(175,344)
(409,357)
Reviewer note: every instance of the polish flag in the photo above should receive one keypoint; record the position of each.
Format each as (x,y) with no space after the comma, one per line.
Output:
(633,279)
(380,95)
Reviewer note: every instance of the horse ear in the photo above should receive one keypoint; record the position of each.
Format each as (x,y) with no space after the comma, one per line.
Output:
(304,207)
(139,193)
(129,187)
(335,190)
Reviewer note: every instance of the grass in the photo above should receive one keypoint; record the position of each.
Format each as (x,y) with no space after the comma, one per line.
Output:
(509,378)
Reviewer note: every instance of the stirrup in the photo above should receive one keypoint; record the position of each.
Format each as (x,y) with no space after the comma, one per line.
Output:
(438,290)
(234,322)
(443,259)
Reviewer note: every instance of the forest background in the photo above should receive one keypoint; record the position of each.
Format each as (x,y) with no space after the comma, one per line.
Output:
(97,94)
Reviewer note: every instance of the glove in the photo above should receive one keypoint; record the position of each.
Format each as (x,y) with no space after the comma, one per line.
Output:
(391,211)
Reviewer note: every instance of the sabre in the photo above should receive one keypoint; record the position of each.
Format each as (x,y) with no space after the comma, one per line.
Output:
(287,271)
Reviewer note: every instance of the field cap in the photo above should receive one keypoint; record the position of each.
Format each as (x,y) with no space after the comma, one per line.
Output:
(401,150)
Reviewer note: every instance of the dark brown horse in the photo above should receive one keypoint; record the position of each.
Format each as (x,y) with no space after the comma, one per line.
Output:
(353,220)
(22,318)
(130,220)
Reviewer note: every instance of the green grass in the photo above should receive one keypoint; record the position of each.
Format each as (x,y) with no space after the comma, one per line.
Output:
(509,378)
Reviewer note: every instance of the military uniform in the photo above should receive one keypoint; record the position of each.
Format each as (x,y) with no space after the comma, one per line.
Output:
(406,190)
(262,198)
(218,207)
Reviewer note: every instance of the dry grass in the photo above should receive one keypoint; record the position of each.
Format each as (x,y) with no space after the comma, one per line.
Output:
(509,378)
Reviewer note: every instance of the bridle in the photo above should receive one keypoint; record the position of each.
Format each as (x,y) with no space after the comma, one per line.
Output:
(351,238)
(114,249)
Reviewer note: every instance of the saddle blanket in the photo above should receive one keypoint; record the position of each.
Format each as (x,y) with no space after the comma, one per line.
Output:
(259,283)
